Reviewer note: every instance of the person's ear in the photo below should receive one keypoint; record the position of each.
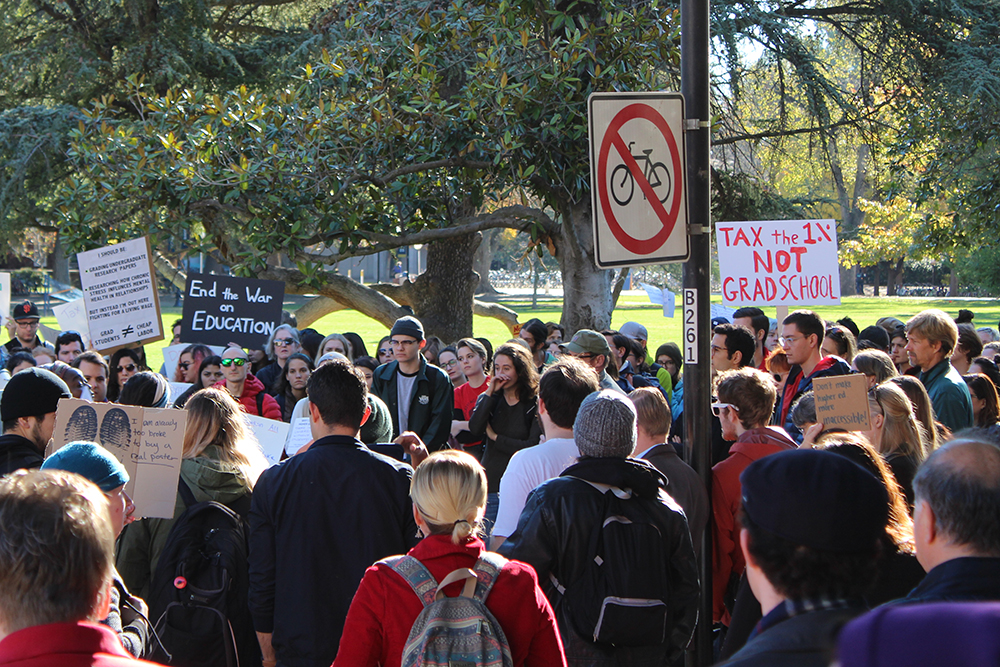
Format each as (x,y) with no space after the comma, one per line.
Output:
(541,407)
(737,358)
(423,344)
(314,415)
(878,420)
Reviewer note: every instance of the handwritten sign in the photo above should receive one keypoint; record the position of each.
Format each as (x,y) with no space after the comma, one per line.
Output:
(842,402)
(298,436)
(72,316)
(219,310)
(270,434)
(782,262)
(119,290)
(148,442)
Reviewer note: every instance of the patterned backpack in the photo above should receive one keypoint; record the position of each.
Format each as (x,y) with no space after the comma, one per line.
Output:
(458,631)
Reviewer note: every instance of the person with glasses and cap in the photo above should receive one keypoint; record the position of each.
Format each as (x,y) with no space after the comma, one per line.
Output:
(746,399)
(244,387)
(592,348)
(23,328)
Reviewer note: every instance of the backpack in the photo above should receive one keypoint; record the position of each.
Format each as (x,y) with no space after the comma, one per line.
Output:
(621,598)
(198,595)
(459,631)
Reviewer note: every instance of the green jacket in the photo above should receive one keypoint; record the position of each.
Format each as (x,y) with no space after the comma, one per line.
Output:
(142,542)
(432,404)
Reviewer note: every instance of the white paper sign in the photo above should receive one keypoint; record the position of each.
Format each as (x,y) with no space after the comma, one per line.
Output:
(779,262)
(172,356)
(119,289)
(271,435)
(178,388)
(4,297)
(298,436)
(72,316)
(661,297)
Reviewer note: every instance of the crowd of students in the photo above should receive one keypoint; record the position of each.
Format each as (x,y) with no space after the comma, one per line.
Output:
(542,485)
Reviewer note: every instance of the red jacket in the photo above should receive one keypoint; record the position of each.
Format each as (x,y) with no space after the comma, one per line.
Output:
(385,607)
(251,387)
(727,556)
(66,645)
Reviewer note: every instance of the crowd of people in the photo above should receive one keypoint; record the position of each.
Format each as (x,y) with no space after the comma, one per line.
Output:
(527,504)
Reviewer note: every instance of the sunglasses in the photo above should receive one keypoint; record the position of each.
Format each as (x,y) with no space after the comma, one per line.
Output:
(185,365)
(718,407)
(284,342)
(226,363)
(130,368)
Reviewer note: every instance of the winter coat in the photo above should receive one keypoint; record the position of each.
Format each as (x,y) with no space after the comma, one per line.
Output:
(248,399)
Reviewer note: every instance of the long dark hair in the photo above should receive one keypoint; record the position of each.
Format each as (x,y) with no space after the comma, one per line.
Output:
(524,366)
(983,388)
(114,389)
(284,388)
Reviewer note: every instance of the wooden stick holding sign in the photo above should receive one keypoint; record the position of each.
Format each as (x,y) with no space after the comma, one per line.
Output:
(842,402)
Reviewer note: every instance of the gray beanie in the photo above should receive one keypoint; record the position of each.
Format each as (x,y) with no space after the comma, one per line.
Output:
(605,425)
(408,326)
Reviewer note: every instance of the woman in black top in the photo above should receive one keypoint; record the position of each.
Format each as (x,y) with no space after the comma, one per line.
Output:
(506,414)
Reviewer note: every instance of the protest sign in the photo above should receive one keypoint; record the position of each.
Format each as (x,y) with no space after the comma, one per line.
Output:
(661,297)
(780,263)
(842,402)
(72,316)
(4,297)
(147,441)
(219,310)
(270,434)
(119,290)
(178,388)
(298,436)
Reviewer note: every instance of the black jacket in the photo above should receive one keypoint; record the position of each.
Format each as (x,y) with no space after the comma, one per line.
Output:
(17,453)
(317,521)
(431,406)
(959,580)
(806,640)
(554,536)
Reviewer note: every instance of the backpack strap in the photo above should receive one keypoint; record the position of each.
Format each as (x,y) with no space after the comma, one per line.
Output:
(416,575)
(186,495)
(260,404)
(487,569)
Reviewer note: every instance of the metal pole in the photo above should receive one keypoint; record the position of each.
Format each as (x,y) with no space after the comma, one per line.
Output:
(697,372)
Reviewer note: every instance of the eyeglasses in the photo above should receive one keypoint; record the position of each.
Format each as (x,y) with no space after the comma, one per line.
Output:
(130,368)
(185,364)
(449,364)
(789,340)
(716,348)
(718,407)
(226,363)
(284,342)
(402,343)
(27,324)
(777,377)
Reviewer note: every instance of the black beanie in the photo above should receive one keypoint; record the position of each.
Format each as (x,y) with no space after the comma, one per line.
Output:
(32,392)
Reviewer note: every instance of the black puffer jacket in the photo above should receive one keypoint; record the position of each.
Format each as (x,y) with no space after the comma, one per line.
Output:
(554,536)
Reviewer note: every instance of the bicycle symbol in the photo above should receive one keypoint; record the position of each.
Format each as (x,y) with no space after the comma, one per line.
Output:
(623,185)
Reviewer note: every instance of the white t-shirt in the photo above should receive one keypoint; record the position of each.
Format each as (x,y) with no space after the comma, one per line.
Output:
(527,469)
(404,392)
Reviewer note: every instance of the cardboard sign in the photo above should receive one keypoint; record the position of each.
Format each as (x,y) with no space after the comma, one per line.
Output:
(780,262)
(219,310)
(299,435)
(119,290)
(842,402)
(72,316)
(270,434)
(149,442)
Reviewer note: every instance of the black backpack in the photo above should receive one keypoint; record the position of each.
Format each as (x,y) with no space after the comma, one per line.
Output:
(198,596)
(622,597)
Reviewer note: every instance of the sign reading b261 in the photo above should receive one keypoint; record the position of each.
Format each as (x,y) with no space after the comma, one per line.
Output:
(637,178)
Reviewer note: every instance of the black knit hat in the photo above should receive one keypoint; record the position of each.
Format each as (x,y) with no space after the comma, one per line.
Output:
(32,392)
(817,499)
(408,326)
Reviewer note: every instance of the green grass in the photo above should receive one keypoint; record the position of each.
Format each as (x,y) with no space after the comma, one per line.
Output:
(863,310)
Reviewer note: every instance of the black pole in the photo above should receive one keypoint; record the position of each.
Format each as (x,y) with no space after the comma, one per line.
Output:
(697,371)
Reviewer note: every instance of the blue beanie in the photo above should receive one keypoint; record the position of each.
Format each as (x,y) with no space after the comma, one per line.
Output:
(89,460)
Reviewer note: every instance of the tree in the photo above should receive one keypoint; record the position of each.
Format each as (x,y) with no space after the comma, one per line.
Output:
(412,127)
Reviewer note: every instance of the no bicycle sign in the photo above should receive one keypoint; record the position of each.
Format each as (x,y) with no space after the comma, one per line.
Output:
(637,178)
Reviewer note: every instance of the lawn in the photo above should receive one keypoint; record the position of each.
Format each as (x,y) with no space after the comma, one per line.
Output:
(632,306)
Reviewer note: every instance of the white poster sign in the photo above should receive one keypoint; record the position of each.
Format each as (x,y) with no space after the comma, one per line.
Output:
(72,316)
(779,263)
(119,289)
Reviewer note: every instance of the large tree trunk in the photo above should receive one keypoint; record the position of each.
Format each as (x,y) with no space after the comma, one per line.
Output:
(586,289)
(894,278)
(482,261)
(850,214)
(953,282)
(60,261)
(876,277)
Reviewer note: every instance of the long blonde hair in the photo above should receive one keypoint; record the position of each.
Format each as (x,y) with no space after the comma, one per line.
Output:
(449,492)
(215,418)
(900,430)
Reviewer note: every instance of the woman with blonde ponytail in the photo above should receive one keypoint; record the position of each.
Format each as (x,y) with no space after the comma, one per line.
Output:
(449,500)
(896,434)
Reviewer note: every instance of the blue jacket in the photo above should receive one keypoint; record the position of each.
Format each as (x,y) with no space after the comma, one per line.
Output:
(949,396)
(431,406)
(317,521)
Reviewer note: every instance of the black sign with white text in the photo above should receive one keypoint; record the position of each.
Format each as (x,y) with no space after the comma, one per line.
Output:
(219,310)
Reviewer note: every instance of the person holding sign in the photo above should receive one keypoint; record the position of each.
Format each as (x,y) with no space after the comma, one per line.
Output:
(896,435)
(244,387)
(802,338)
(746,400)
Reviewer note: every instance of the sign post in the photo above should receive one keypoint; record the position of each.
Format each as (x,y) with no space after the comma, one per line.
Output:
(637,178)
